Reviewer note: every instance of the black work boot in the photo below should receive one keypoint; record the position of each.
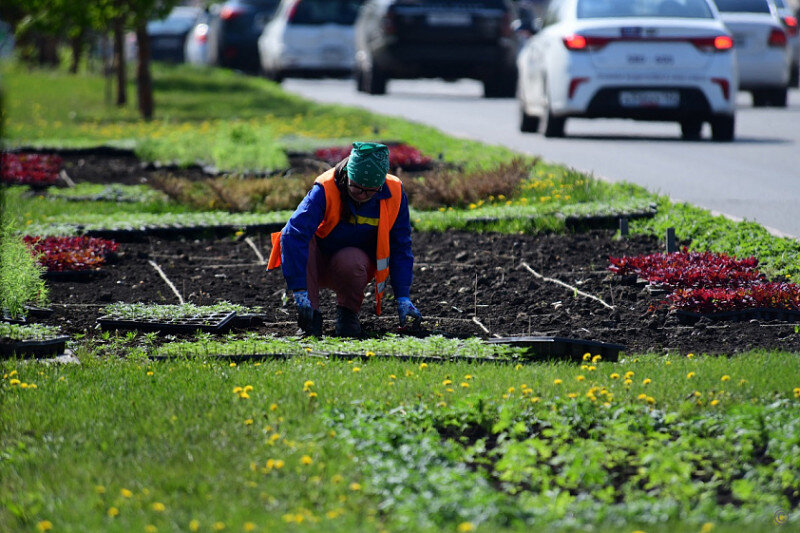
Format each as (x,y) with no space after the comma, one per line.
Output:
(315,328)
(347,324)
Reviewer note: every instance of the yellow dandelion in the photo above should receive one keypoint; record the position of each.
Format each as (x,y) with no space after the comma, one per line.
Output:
(112,512)
(423,365)
(336,479)
(714,402)
(194,525)
(248,422)
(690,375)
(356,369)
(279,464)
(592,368)
(244,396)
(149,372)
(707,527)
(726,377)
(273,407)
(312,394)
(464,385)
(14,382)
(614,375)
(572,395)
(126,493)
(647,381)
(580,378)
(668,363)
(307,385)
(628,381)
(535,399)
(249,526)
(219,526)
(642,397)
(248,388)
(392,376)
(44,525)
(150,528)
(447,382)
(596,358)
(511,390)
(557,381)
(355,486)
(587,356)
(796,392)
(629,374)
(158,507)
(466,527)
(650,400)
(306,460)
(689,355)
(468,377)
(232,365)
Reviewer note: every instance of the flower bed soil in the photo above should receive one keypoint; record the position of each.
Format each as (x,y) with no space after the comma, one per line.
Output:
(458,276)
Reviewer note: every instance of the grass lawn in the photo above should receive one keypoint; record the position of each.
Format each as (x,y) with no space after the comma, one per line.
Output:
(652,443)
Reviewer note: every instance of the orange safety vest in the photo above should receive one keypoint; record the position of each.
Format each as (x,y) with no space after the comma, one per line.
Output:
(389,209)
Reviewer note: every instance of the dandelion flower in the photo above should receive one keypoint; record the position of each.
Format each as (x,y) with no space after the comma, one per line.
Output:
(219,526)
(689,355)
(614,375)
(248,422)
(468,377)
(306,460)
(707,527)
(714,402)
(796,392)
(126,493)
(158,507)
(312,394)
(248,388)
(628,381)
(725,378)
(14,382)
(587,356)
(273,407)
(447,382)
(572,395)
(466,527)
(647,381)
(112,512)
(690,375)
(557,381)
(464,384)
(194,525)
(642,397)
(355,486)
(44,525)
(580,378)
(249,526)
(596,358)
(629,374)
(356,369)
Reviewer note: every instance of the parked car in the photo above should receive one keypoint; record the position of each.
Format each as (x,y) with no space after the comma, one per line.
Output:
(761,49)
(233,33)
(447,39)
(195,47)
(167,36)
(309,38)
(790,26)
(661,60)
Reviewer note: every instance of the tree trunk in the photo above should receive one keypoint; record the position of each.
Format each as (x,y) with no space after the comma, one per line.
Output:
(48,52)
(144,78)
(120,65)
(77,43)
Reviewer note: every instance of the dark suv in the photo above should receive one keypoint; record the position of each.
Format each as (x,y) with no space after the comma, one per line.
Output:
(234,30)
(447,39)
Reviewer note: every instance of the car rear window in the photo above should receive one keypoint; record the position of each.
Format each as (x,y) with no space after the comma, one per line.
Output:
(694,9)
(743,6)
(326,11)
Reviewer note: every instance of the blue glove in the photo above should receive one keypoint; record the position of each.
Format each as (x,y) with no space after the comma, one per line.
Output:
(405,309)
(305,314)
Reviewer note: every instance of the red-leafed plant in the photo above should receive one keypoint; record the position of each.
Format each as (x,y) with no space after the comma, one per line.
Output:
(690,269)
(30,169)
(400,156)
(709,282)
(59,254)
(767,295)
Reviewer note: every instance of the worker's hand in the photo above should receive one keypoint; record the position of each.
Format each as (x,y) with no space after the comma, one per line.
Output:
(406,309)
(305,314)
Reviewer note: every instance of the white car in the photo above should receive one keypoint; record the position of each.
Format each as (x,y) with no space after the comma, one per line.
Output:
(309,38)
(761,49)
(664,60)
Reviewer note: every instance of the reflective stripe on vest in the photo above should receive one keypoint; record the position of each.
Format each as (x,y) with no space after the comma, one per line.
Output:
(389,208)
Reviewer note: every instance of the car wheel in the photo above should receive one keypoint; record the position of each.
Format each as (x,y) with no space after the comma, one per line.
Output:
(375,80)
(358,75)
(759,98)
(722,127)
(690,129)
(527,123)
(551,125)
(503,85)
(777,97)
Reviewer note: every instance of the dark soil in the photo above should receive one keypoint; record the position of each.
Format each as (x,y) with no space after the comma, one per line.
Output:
(463,283)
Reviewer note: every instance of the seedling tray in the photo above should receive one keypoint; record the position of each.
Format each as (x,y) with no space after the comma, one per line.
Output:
(211,323)
(759,313)
(562,348)
(39,348)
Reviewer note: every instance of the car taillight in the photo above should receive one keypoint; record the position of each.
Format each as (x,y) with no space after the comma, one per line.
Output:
(579,43)
(388,23)
(777,38)
(228,12)
(293,11)
(791,25)
(720,43)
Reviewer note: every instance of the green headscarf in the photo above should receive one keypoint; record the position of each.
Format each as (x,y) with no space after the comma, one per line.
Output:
(368,164)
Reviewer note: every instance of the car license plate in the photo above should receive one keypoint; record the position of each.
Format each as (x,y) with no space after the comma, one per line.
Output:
(649,98)
(449,19)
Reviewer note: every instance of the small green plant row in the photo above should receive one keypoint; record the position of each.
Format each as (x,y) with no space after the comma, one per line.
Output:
(139,311)
(252,344)
(95,192)
(75,225)
(27,332)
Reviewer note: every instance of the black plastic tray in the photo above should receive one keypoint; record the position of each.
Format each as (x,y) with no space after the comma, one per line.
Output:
(562,348)
(758,313)
(42,348)
(213,323)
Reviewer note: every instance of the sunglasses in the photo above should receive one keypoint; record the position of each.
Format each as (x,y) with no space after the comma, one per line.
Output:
(362,190)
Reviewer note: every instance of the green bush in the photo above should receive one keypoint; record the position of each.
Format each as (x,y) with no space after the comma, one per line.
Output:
(20,276)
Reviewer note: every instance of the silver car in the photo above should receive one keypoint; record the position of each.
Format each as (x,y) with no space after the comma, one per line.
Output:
(790,25)
(761,46)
